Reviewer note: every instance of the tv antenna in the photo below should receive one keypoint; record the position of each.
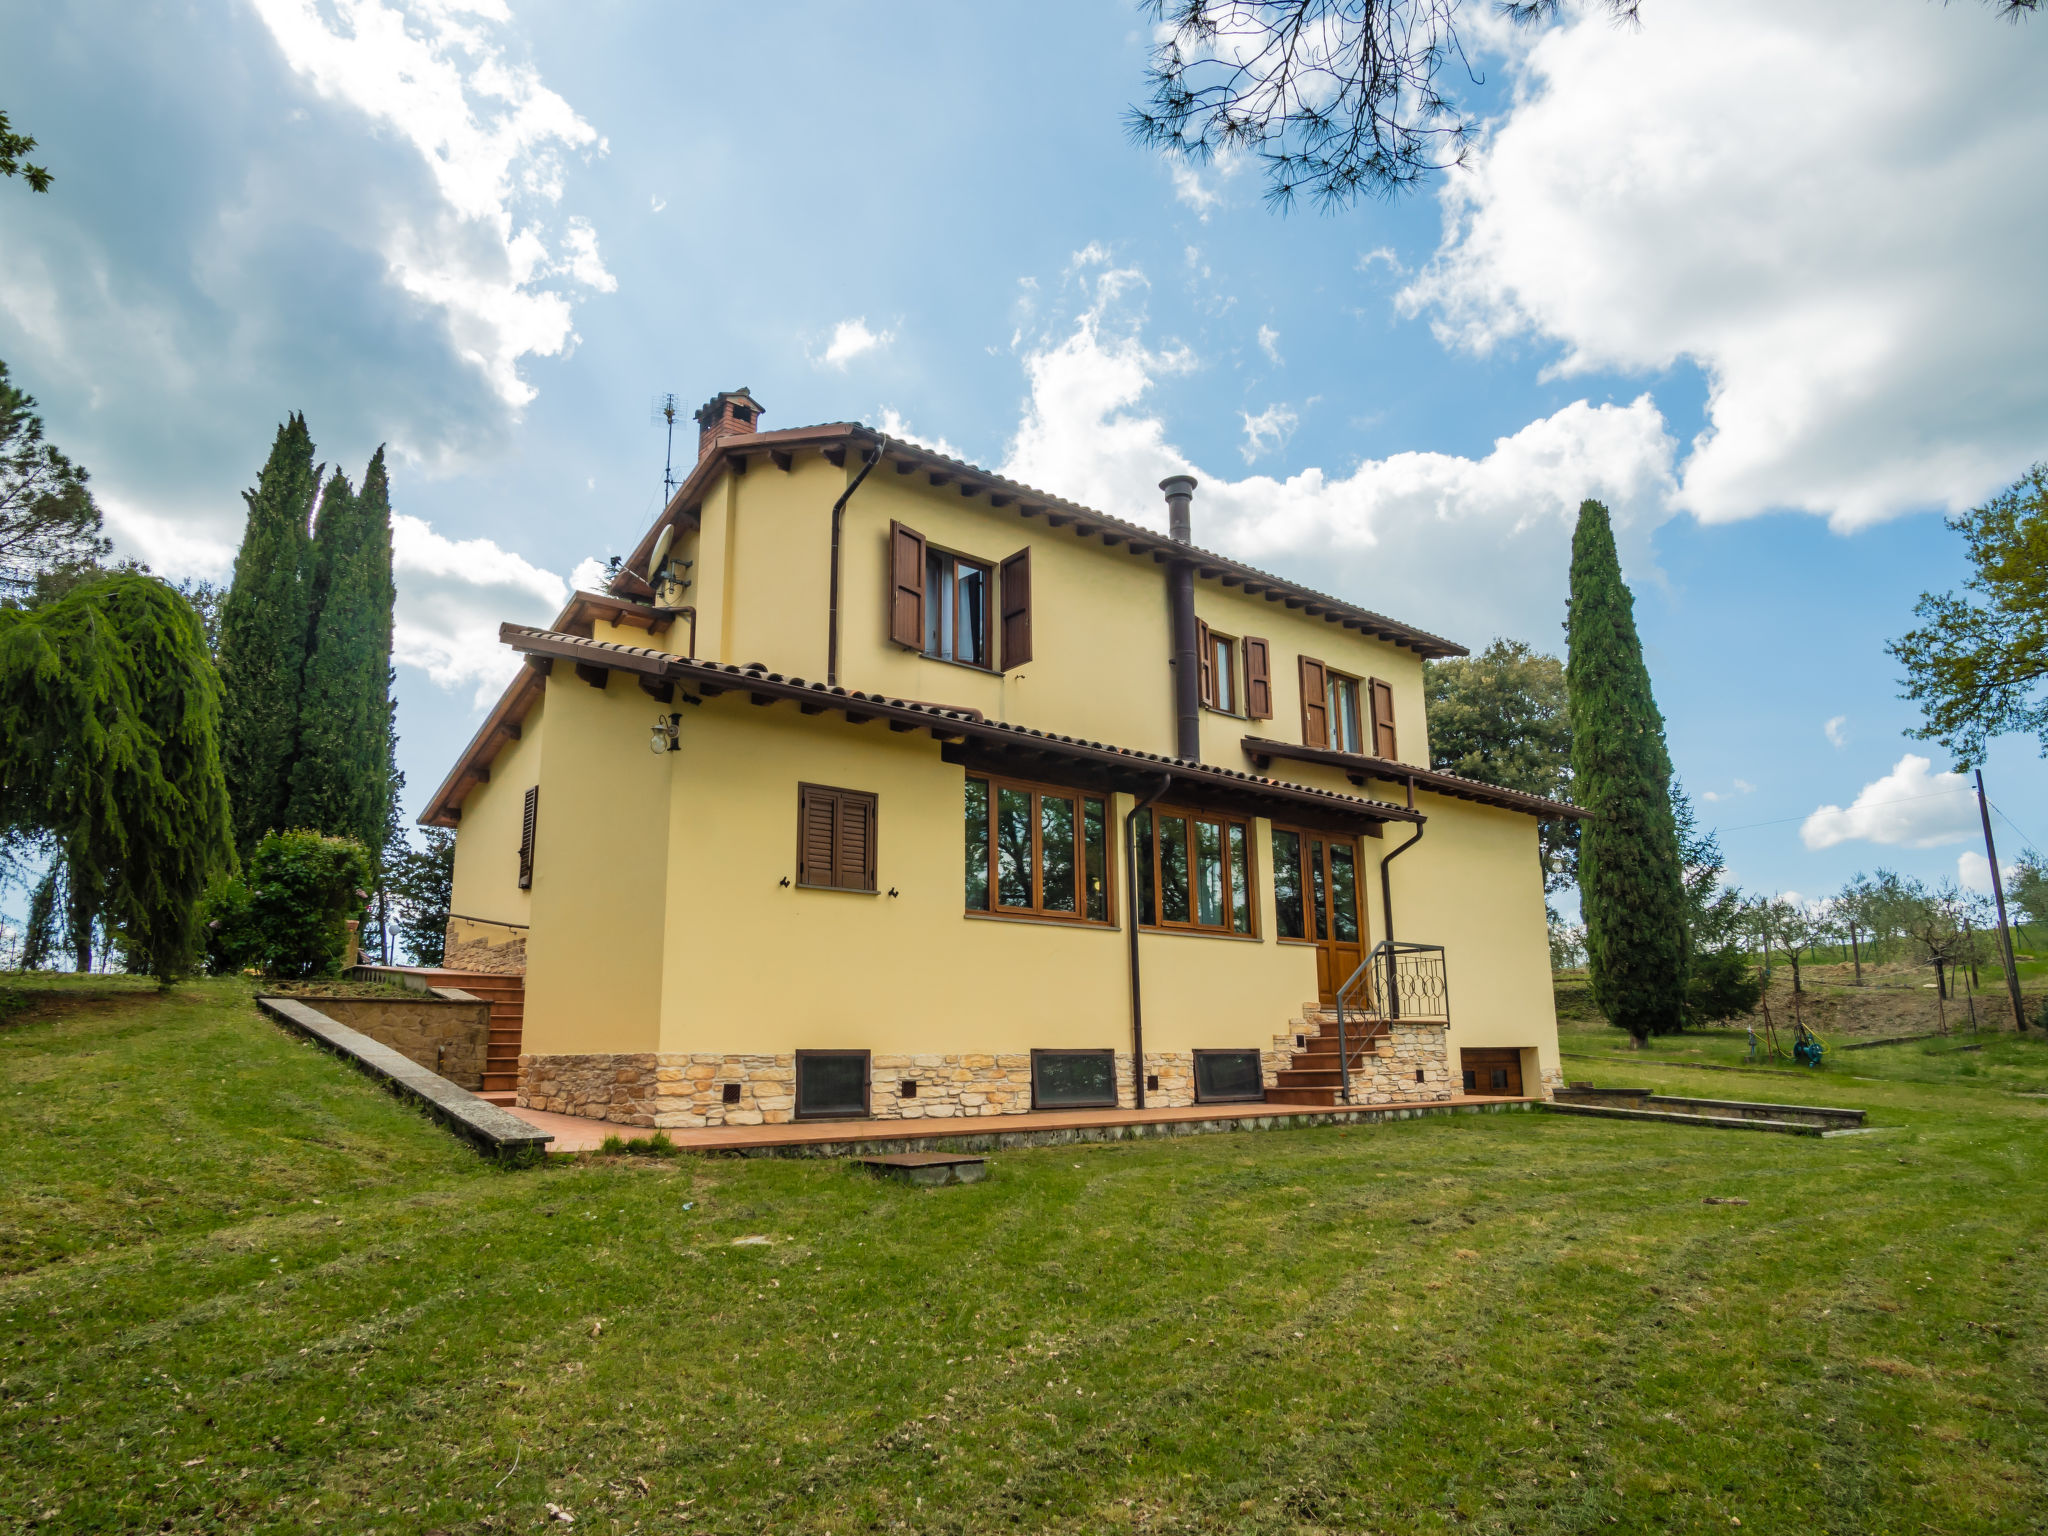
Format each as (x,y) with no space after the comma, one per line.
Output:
(665,406)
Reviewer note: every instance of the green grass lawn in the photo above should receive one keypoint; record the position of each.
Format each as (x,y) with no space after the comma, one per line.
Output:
(244,1289)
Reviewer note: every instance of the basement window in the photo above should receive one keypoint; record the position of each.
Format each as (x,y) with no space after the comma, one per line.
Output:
(1228,1077)
(1073,1079)
(831,1085)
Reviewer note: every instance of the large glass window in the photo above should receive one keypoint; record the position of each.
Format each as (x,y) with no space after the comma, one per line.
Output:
(1346,732)
(1287,908)
(1036,851)
(956,608)
(1073,1079)
(1315,887)
(1199,866)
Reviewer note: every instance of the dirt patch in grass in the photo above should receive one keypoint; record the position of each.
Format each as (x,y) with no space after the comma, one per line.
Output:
(335,986)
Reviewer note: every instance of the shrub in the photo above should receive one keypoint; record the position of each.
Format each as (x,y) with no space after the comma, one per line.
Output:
(289,917)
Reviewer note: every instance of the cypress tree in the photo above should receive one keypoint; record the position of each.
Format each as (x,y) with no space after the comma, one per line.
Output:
(1631,878)
(264,626)
(341,781)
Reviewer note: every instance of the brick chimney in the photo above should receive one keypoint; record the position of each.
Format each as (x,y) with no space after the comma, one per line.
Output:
(730,414)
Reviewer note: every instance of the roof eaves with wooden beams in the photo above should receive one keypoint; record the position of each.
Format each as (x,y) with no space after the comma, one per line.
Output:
(1359,767)
(966,733)
(503,723)
(1024,501)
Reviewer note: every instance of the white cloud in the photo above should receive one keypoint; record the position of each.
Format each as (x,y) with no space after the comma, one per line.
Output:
(1973,872)
(656,202)
(1190,189)
(1269,343)
(1837,732)
(850,339)
(1268,430)
(1800,200)
(1715,797)
(491,134)
(589,576)
(1910,807)
(893,424)
(1469,547)
(452,596)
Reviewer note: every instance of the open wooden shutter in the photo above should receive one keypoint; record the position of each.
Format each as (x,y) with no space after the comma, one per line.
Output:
(1258,679)
(1016,610)
(906,586)
(1205,663)
(835,840)
(1383,741)
(854,869)
(528,822)
(1315,704)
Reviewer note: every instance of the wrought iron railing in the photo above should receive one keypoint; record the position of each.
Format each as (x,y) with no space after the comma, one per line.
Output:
(1394,981)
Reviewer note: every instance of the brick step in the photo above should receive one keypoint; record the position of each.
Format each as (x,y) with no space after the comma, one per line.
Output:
(501,1082)
(503,1097)
(1325,1097)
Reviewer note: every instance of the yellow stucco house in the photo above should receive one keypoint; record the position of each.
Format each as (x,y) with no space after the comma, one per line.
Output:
(879,786)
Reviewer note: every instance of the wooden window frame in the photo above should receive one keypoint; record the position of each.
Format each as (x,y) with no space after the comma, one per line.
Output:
(1115,1098)
(1314,679)
(1333,680)
(1208,683)
(990,609)
(867,1088)
(529,830)
(805,793)
(1225,820)
(1308,940)
(1233,1098)
(1013,609)
(906,589)
(1037,912)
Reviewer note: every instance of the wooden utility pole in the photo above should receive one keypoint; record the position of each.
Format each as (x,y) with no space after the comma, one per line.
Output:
(2012,974)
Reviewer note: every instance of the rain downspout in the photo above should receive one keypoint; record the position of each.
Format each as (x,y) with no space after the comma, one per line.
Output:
(1137,990)
(1387,902)
(838,517)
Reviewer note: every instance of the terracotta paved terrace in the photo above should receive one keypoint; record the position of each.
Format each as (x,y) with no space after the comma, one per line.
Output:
(573,1133)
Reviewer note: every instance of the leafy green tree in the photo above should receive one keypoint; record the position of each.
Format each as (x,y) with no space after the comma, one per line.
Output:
(1721,983)
(1500,717)
(1793,931)
(265,622)
(341,780)
(2026,889)
(48,519)
(109,720)
(1631,877)
(14,151)
(1976,666)
(290,916)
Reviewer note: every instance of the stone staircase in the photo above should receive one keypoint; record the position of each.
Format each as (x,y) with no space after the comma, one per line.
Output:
(1314,1074)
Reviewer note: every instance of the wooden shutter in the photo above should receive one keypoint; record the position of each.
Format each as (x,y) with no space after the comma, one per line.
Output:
(1315,704)
(1383,740)
(528,821)
(1016,609)
(835,839)
(906,586)
(1205,664)
(1258,679)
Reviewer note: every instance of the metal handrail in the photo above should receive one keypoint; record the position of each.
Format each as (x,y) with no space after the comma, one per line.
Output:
(1384,958)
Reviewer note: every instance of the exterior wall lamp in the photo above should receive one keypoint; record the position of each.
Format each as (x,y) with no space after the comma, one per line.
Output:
(667,734)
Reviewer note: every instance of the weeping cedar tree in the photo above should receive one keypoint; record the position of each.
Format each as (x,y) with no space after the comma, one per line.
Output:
(109,718)
(1631,878)
(264,623)
(341,781)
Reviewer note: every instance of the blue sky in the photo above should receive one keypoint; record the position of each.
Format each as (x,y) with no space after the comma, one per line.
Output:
(1735,272)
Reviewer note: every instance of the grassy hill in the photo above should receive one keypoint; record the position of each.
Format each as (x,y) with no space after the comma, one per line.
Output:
(245,1290)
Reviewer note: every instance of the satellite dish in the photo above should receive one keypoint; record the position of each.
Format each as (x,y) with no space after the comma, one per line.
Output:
(655,560)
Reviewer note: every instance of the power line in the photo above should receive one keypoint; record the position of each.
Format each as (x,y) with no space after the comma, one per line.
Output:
(2014,825)
(1858,806)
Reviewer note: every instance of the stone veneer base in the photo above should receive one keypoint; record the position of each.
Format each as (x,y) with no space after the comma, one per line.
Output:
(675,1090)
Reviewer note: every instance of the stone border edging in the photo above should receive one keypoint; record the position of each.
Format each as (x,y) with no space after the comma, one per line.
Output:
(490,1129)
(1046,1136)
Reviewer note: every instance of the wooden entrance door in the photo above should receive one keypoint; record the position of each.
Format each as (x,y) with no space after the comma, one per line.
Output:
(1335,910)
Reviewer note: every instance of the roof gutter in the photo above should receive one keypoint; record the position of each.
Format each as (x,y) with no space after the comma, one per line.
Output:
(1387,885)
(838,517)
